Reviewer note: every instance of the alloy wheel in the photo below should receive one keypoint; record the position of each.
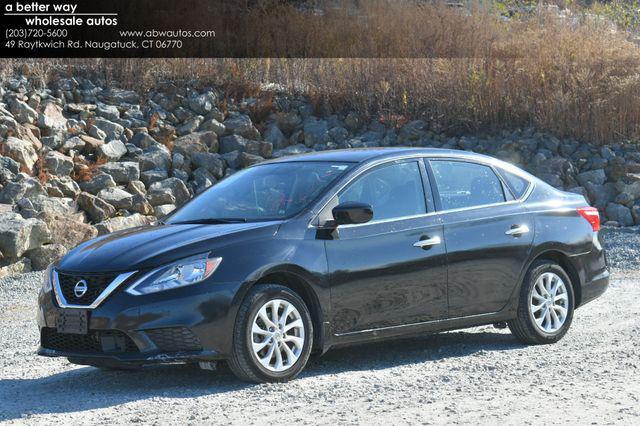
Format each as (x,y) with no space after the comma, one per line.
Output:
(549,302)
(277,335)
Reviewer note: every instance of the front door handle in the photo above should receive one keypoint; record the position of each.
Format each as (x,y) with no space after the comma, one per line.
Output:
(517,230)
(427,242)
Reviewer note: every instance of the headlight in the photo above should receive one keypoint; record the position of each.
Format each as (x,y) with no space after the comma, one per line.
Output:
(182,273)
(46,281)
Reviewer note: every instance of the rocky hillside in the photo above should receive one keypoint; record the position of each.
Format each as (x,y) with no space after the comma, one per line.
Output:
(80,159)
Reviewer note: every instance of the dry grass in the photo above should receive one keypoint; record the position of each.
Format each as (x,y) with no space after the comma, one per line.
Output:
(461,72)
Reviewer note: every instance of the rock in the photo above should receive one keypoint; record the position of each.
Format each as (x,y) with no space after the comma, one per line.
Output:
(136,187)
(202,180)
(601,195)
(353,121)
(240,124)
(172,186)
(190,126)
(635,213)
(110,112)
(112,151)
(123,172)
(631,190)
(239,143)
(97,209)
(18,235)
(44,203)
(58,164)
(315,132)
(42,257)
(163,210)
(97,182)
(143,140)
(212,125)
(67,230)
(620,214)
(139,204)
(148,177)
(91,143)
(288,122)
(247,159)
(155,157)
(413,130)
(52,117)
(202,104)
(117,197)
(211,162)
(9,267)
(597,177)
(231,158)
(73,144)
(275,137)
(21,151)
(160,198)
(119,223)
(23,186)
(291,150)
(65,185)
(111,130)
(23,113)
(196,142)
(9,164)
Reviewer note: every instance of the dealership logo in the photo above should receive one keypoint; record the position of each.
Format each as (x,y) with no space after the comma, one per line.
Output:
(80,288)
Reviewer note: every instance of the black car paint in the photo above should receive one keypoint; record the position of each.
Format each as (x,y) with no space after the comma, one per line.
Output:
(362,282)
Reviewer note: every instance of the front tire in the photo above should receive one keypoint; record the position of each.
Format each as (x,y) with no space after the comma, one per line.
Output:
(546,305)
(273,335)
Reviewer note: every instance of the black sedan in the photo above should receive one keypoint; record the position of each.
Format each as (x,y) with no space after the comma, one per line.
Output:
(301,254)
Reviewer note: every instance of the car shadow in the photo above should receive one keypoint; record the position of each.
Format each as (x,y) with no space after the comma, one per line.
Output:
(88,388)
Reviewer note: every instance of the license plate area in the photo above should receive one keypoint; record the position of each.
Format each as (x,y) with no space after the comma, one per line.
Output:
(72,321)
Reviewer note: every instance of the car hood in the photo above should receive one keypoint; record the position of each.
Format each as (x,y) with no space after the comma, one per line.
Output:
(150,246)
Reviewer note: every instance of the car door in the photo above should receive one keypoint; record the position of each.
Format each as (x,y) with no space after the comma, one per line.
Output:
(488,235)
(391,270)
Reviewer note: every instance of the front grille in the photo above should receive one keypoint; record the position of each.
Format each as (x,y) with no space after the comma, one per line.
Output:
(96,284)
(174,339)
(107,341)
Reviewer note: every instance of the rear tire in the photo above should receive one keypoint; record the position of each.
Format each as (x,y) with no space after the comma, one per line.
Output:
(546,305)
(273,335)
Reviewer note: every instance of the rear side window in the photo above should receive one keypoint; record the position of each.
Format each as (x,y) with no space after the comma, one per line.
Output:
(392,191)
(463,184)
(517,184)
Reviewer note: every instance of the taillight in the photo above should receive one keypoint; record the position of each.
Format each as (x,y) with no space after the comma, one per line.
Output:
(592,216)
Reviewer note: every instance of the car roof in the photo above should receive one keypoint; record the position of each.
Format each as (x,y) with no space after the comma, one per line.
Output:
(361,155)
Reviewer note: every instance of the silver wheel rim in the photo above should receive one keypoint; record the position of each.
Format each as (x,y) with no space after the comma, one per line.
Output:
(549,302)
(277,335)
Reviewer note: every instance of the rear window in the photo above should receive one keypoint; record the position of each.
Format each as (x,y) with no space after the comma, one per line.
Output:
(463,184)
(517,184)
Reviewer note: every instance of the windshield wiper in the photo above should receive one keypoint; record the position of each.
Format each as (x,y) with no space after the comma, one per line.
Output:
(211,221)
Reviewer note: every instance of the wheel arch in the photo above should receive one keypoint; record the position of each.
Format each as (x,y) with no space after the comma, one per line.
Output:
(565,262)
(297,280)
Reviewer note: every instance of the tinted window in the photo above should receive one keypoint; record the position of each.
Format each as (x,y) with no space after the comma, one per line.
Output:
(264,192)
(392,191)
(463,184)
(517,184)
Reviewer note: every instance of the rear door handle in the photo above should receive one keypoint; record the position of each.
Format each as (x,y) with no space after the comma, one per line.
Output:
(517,230)
(427,242)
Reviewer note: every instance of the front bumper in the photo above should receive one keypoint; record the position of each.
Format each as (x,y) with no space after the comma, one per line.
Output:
(188,324)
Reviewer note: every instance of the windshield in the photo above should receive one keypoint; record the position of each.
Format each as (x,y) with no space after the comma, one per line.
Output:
(265,192)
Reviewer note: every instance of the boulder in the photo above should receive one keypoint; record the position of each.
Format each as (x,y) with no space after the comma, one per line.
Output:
(10,267)
(190,126)
(288,122)
(211,162)
(21,151)
(240,124)
(196,142)
(111,130)
(110,112)
(275,137)
(97,182)
(65,185)
(68,231)
(143,140)
(202,104)
(117,197)
(23,186)
(97,209)
(63,206)
(18,235)
(149,177)
(122,172)
(620,214)
(119,223)
(139,204)
(241,144)
(23,113)
(172,186)
(91,143)
(52,117)
(247,159)
(212,125)
(315,131)
(597,177)
(42,257)
(58,164)
(73,144)
(202,179)
(155,157)
(136,187)
(112,151)
(163,210)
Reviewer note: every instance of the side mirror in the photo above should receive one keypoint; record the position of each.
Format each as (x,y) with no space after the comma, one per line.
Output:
(351,213)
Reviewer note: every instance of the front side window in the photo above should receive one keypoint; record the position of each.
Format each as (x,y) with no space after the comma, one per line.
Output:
(463,184)
(264,192)
(392,191)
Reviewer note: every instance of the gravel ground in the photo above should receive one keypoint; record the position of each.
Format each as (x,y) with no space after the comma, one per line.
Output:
(469,376)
